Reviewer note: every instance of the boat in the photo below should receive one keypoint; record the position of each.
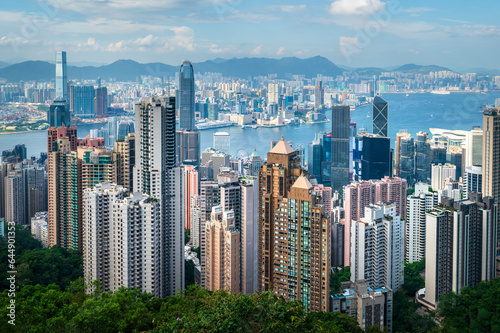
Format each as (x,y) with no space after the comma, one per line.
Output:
(255,126)
(243,126)
(407,95)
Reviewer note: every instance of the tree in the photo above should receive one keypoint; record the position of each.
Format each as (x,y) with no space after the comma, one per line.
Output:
(339,276)
(475,309)
(412,279)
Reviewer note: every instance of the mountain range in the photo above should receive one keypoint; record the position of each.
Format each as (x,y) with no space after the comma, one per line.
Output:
(129,70)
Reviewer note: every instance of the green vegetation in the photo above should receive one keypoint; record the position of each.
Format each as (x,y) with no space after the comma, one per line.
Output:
(51,309)
(410,191)
(337,277)
(405,316)
(36,265)
(474,310)
(187,236)
(413,280)
(50,297)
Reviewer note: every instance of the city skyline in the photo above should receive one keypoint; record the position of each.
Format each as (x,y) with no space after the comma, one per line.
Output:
(362,32)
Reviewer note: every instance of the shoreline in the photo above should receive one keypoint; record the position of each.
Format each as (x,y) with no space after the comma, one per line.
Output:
(22,132)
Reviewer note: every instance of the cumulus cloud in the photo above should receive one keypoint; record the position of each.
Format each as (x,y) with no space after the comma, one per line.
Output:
(356,7)
(257,50)
(281,51)
(146,41)
(115,47)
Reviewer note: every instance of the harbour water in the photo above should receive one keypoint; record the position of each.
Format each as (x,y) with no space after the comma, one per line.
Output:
(417,112)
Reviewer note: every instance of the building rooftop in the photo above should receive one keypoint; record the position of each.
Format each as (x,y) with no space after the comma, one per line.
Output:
(282,147)
(302,182)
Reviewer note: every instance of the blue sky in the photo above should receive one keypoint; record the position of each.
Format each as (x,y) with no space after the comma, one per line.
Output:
(358,33)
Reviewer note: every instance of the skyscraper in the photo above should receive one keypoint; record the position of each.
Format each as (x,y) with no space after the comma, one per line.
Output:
(440,173)
(61,76)
(222,252)
(186,96)
(491,154)
(319,95)
(380,116)
(417,205)
(340,147)
(222,142)
(373,157)
(82,100)
(377,247)
(461,239)
(59,111)
(188,147)
(473,180)
(156,174)
(125,161)
(275,180)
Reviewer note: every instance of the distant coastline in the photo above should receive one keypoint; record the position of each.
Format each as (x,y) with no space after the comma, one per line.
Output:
(21,132)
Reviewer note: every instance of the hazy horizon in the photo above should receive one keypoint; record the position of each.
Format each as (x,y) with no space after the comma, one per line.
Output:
(353,33)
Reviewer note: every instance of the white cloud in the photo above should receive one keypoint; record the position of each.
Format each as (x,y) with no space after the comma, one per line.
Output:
(146,41)
(344,41)
(356,7)
(257,50)
(281,51)
(115,47)
(293,9)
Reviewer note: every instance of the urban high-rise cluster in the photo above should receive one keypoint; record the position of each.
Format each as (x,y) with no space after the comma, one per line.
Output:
(139,196)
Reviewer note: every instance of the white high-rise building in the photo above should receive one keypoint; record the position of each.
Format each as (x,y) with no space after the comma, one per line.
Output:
(473,145)
(377,247)
(97,215)
(40,227)
(134,259)
(222,142)
(195,220)
(440,173)
(273,93)
(249,235)
(156,173)
(416,206)
(120,240)
(473,179)
(461,245)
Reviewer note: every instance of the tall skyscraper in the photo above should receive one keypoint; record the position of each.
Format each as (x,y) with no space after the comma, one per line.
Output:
(188,147)
(125,161)
(461,239)
(82,100)
(359,195)
(380,116)
(190,189)
(422,162)
(399,136)
(249,235)
(294,250)
(319,95)
(491,154)
(275,179)
(417,205)
(473,147)
(59,111)
(101,101)
(156,174)
(119,238)
(473,180)
(301,273)
(61,76)
(222,142)
(377,247)
(186,96)
(222,252)
(341,119)
(373,158)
